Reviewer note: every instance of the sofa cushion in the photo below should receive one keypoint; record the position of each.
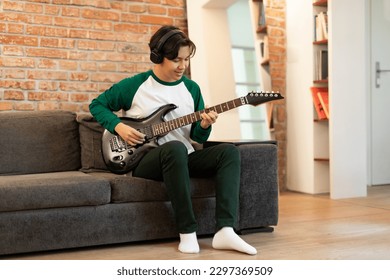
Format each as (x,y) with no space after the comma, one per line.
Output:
(52,190)
(91,144)
(126,188)
(38,142)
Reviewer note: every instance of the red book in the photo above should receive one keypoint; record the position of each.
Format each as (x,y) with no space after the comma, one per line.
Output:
(323,97)
(317,103)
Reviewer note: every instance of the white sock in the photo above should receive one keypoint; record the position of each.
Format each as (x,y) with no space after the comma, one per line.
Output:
(227,239)
(188,243)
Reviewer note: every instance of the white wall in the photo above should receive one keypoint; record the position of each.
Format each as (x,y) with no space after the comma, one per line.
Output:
(212,66)
(349,80)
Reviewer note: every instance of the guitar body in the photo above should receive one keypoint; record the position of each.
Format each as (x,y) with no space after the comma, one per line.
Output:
(120,157)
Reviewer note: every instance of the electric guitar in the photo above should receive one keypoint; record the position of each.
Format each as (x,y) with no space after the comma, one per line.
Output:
(121,157)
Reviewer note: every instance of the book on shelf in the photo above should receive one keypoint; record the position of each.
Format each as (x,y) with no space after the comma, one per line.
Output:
(323,18)
(324,100)
(320,26)
(317,103)
(321,65)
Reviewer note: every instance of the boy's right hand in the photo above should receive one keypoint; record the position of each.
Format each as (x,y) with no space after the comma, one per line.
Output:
(129,134)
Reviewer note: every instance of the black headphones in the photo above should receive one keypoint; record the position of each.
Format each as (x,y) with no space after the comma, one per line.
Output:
(155,55)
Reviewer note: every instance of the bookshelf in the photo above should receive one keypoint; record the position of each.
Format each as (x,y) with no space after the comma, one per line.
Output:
(258,8)
(328,156)
(320,41)
(261,36)
(308,145)
(320,81)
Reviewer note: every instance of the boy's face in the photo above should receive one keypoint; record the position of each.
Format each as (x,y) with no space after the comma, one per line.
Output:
(173,70)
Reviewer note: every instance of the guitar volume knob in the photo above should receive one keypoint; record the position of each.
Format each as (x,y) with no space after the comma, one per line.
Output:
(117,158)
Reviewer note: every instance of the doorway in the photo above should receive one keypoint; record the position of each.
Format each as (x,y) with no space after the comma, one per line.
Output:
(380,92)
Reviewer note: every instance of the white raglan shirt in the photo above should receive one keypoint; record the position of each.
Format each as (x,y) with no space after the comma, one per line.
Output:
(151,95)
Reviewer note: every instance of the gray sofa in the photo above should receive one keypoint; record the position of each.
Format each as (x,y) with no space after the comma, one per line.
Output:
(56,193)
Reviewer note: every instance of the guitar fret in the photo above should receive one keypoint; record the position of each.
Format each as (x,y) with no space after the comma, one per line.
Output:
(225,106)
(155,129)
(172,125)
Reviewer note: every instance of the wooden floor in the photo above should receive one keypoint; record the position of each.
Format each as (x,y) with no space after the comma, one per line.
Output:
(311,227)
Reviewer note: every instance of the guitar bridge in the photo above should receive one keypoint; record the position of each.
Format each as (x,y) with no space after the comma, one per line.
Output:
(117,144)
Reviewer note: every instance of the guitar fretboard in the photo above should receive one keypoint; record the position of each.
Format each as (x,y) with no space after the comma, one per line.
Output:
(165,127)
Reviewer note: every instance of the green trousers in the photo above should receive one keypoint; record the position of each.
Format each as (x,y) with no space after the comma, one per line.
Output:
(171,164)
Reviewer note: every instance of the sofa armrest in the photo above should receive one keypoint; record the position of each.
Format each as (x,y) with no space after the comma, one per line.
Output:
(259,189)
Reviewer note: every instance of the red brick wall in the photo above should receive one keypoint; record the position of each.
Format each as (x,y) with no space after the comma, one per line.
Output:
(59,54)
(276,29)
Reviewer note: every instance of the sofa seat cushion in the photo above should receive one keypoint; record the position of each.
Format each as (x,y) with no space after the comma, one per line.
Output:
(126,188)
(52,190)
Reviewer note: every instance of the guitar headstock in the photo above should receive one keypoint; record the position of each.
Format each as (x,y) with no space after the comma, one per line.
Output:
(256,98)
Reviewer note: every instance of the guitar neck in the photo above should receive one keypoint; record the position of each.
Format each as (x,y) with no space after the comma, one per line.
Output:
(165,127)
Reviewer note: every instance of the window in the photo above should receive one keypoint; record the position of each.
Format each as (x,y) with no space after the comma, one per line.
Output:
(253,120)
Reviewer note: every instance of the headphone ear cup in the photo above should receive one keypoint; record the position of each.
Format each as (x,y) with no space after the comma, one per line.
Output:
(156,57)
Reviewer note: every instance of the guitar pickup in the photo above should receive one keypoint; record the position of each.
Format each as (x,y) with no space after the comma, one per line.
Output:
(117,144)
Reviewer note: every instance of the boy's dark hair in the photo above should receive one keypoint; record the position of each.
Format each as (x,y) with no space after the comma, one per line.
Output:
(166,42)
